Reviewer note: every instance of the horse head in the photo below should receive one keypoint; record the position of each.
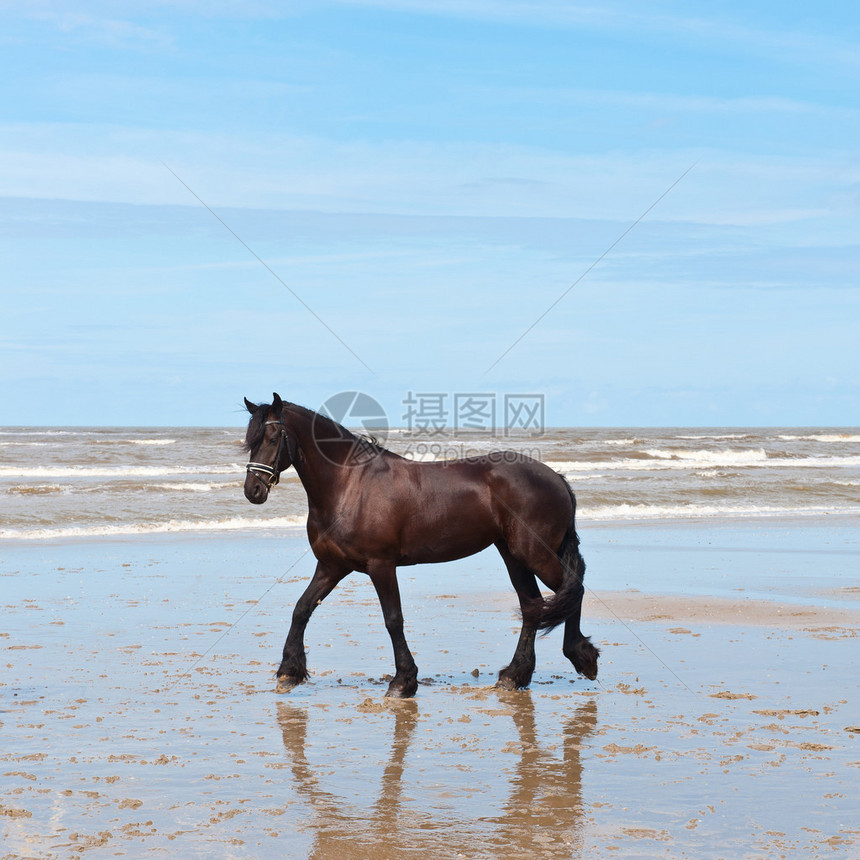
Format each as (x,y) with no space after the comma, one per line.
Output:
(270,446)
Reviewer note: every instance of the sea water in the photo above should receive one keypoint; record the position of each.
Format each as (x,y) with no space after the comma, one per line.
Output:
(87,482)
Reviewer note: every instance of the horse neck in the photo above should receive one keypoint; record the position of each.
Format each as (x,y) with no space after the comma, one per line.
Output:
(318,473)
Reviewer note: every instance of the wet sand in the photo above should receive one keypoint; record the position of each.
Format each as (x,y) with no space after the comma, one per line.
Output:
(138,715)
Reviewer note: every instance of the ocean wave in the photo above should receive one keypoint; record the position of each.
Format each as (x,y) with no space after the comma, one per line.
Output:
(699,460)
(194,486)
(683,512)
(31,431)
(720,437)
(703,455)
(716,473)
(140,441)
(423,457)
(117,472)
(103,441)
(230,524)
(36,489)
(123,486)
(821,437)
(18,443)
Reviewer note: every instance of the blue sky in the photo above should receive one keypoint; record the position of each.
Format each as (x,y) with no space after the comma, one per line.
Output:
(429,178)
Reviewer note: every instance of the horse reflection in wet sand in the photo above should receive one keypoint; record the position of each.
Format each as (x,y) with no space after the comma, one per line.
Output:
(543,810)
(372,510)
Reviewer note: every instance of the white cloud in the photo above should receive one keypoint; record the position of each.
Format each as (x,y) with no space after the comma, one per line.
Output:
(820,42)
(677,103)
(100,29)
(784,44)
(99,163)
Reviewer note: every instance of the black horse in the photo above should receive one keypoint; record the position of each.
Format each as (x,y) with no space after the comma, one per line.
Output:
(371,510)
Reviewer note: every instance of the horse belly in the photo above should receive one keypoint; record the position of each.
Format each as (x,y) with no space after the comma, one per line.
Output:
(446,542)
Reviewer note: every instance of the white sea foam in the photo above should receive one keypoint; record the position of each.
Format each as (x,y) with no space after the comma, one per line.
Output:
(33,431)
(168,527)
(714,436)
(821,437)
(703,455)
(683,512)
(423,457)
(119,472)
(703,460)
(196,486)
(49,440)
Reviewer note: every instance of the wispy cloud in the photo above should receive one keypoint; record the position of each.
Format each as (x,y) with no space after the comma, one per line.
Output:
(93,28)
(789,46)
(678,103)
(127,22)
(108,164)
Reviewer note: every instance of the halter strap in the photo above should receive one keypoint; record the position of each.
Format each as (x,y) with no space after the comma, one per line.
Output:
(271,473)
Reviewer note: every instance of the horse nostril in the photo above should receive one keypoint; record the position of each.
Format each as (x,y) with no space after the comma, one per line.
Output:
(256,494)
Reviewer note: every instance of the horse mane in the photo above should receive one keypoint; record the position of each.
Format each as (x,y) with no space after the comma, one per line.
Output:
(257,428)
(363,441)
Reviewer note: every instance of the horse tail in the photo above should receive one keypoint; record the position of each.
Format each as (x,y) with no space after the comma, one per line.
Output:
(567,601)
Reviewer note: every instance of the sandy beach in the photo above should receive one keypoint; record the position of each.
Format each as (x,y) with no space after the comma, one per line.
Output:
(139,718)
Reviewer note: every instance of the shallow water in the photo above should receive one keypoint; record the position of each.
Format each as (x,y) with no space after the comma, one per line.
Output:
(138,713)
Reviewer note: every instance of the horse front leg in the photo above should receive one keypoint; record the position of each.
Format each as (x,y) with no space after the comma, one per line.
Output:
(383,575)
(293,669)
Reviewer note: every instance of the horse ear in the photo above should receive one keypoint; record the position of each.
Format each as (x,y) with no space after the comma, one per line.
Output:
(277,403)
(250,406)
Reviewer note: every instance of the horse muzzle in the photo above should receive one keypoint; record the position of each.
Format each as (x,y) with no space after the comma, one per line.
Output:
(256,486)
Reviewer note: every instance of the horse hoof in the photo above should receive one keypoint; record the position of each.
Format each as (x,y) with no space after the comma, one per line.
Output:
(398,693)
(584,656)
(285,685)
(505,683)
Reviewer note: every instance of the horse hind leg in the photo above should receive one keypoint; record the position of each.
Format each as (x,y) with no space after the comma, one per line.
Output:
(577,647)
(518,673)
(564,575)
(583,654)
